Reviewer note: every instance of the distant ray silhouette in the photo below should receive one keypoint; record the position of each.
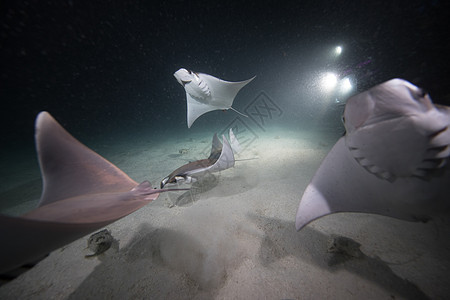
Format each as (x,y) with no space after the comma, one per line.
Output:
(221,158)
(205,93)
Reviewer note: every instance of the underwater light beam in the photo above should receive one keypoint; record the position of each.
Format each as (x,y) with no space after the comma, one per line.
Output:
(329,81)
(346,85)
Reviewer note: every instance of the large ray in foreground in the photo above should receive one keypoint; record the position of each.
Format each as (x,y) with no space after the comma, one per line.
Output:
(205,93)
(392,160)
(82,192)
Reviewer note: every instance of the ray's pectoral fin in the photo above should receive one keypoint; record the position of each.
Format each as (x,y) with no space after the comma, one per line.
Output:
(223,92)
(393,160)
(221,158)
(195,109)
(235,145)
(216,148)
(82,192)
(226,159)
(69,168)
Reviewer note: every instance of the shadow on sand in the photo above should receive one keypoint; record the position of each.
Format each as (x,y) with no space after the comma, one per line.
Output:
(281,240)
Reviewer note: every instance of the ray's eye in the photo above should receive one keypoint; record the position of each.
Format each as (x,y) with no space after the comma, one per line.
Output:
(422,92)
(189,71)
(418,94)
(343,119)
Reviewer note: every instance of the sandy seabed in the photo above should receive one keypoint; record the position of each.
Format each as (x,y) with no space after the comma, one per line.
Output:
(233,237)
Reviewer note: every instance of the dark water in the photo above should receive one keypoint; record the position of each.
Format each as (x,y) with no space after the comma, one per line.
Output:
(109,65)
(105,69)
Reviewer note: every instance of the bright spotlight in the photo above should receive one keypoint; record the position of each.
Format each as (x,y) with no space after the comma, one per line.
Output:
(346,85)
(329,81)
(338,50)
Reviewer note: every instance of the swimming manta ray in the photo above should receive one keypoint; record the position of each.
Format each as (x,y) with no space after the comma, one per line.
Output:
(82,192)
(221,158)
(205,93)
(393,160)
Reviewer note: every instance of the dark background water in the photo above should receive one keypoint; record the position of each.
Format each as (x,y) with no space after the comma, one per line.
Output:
(99,66)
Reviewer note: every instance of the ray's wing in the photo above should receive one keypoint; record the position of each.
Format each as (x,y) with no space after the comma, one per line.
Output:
(198,165)
(29,240)
(216,148)
(223,92)
(395,131)
(392,161)
(69,168)
(226,159)
(221,158)
(341,184)
(96,207)
(54,225)
(222,96)
(196,108)
(234,142)
(82,192)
